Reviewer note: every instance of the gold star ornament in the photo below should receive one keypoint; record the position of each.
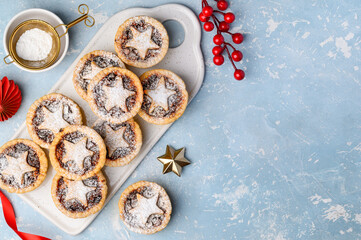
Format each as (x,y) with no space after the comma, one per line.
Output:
(173,160)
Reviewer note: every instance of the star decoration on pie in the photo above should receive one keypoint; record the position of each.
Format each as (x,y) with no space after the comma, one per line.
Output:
(142,41)
(159,95)
(53,121)
(95,69)
(114,139)
(117,95)
(173,160)
(146,207)
(17,167)
(77,190)
(76,152)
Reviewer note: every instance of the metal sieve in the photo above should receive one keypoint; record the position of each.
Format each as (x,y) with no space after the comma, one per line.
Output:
(43,25)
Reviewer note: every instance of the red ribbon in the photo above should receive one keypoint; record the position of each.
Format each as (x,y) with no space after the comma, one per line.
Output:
(9,215)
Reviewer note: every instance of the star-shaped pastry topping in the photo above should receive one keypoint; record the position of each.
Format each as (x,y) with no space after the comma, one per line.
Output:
(76,152)
(142,41)
(117,95)
(95,69)
(114,139)
(53,121)
(146,207)
(159,95)
(17,167)
(77,190)
(173,160)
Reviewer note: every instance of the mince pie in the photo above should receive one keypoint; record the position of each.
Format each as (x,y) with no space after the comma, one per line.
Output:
(145,207)
(141,42)
(89,65)
(165,96)
(23,166)
(123,141)
(77,152)
(49,115)
(79,198)
(115,95)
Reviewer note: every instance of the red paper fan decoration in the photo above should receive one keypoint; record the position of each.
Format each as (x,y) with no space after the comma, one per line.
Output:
(10,99)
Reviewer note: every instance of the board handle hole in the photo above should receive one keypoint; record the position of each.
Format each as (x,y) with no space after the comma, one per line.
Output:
(175,32)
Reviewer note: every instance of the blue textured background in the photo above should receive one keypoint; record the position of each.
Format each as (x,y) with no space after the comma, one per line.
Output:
(276,156)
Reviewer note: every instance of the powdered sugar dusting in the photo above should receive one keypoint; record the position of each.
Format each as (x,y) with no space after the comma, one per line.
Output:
(82,195)
(120,139)
(115,139)
(52,114)
(91,64)
(76,152)
(53,121)
(146,207)
(232,198)
(342,46)
(117,95)
(316,199)
(160,95)
(358,218)
(34,45)
(77,190)
(17,167)
(100,60)
(335,212)
(142,41)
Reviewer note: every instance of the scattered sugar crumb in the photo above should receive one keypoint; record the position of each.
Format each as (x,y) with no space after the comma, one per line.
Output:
(336,212)
(342,46)
(330,39)
(349,36)
(316,199)
(305,35)
(357,218)
(272,26)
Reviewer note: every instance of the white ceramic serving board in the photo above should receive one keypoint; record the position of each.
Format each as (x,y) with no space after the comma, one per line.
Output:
(186,60)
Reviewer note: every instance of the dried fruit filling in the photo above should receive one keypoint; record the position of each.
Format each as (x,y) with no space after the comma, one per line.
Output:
(141,26)
(32,159)
(154,220)
(174,101)
(101,98)
(129,137)
(101,62)
(52,105)
(89,162)
(74,205)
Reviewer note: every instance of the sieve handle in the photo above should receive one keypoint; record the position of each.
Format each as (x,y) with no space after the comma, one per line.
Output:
(6,61)
(89,21)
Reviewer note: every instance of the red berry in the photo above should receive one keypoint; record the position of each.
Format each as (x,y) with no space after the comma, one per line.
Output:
(222,5)
(207,11)
(218,39)
(208,26)
(229,17)
(237,56)
(223,26)
(237,38)
(203,18)
(238,74)
(217,50)
(218,60)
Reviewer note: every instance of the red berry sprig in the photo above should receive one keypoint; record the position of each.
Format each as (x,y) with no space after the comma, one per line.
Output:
(208,15)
